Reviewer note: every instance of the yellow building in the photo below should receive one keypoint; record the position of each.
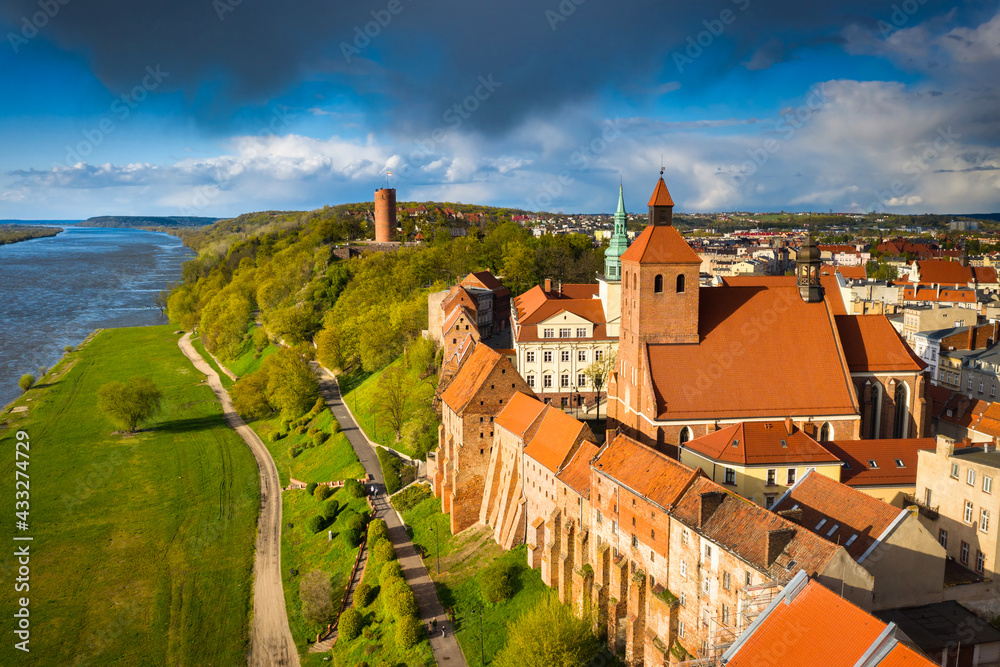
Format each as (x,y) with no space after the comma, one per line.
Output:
(760,460)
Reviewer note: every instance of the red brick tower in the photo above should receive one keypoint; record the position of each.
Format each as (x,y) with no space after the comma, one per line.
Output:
(385,215)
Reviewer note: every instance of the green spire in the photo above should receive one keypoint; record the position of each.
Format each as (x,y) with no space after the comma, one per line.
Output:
(619,241)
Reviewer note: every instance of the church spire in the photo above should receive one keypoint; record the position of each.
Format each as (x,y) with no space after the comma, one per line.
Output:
(618,243)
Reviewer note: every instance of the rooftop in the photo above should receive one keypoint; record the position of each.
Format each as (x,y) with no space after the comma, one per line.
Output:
(556,435)
(759,443)
(871,344)
(471,377)
(645,471)
(877,462)
(519,414)
(660,244)
(933,627)
(986,455)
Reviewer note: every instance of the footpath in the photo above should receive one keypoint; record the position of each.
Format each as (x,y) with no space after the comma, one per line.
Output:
(446,649)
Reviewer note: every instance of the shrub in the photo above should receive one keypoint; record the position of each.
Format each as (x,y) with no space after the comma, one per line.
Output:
(350,624)
(275,436)
(356,522)
(323,492)
(311,488)
(68,348)
(250,396)
(399,599)
(408,632)
(283,426)
(411,497)
(311,431)
(294,451)
(362,596)
(548,634)
(391,467)
(299,430)
(26,382)
(330,509)
(354,488)
(495,584)
(316,594)
(377,529)
(391,570)
(316,524)
(334,426)
(383,551)
(351,537)
(318,438)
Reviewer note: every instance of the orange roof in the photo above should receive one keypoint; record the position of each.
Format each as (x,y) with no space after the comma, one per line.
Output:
(589,309)
(555,437)
(576,291)
(486,280)
(873,345)
(645,471)
(455,314)
(660,244)
(985,274)
(853,272)
(831,291)
(826,247)
(471,377)
(661,196)
(576,474)
(839,513)
(812,625)
(759,443)
(536,297)
(780,356)
(964,412)
(858,455)
(742,527)
(457,296)
(932,294)
(519,413)
(944,272)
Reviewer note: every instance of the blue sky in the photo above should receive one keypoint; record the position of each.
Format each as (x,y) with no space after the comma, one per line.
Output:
(218,107)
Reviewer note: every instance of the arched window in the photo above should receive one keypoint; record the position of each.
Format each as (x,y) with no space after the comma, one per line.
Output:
(685,435)
(658,284)
(875,418)
(626,280)
(826,433)
(680,283)
(902,400)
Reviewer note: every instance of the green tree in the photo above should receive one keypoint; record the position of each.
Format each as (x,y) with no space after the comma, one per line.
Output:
(130,402)
(316,594)
(250,395)
(26,382)
(598,372)
(350,624)
(548,634)
(520,268)
(392,394)
(291,385)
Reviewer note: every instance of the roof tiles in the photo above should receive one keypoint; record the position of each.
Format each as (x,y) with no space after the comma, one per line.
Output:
(660,244)
(519,413)
(555,437)
(858,455)
(661,196)
(758,443)
(873,345)
(645,471)
(470,377)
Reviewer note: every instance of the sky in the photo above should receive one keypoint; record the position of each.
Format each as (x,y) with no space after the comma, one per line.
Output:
(220,107)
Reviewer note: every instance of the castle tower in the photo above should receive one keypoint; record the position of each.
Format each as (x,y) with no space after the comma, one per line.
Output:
(618,244)
(807,263)
(385,215)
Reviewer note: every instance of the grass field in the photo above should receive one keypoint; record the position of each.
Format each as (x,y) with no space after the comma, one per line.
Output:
(359,390)
(143,545)
(249,361)
(200,347)
(332,461)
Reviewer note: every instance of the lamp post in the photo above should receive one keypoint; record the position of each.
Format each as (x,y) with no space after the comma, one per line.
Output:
(437,543)
(482,650)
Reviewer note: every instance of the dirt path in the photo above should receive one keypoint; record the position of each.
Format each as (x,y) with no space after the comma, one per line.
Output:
(270,639)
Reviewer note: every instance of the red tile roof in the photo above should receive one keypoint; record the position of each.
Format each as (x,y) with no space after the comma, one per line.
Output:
(858,453)
(519,413)
(873,345)
(776,356)
(591,310)
(576,474)
(645,471)
(853,272)
(471,377)
(455,314)
(661,196)
(944,272)
(536,297)
(985,274)
(831,292)
(964,412)
(815,627)
(759,443)
(458,296)
(660,244)
(944,295)
(742,527)
(486,280)
(834,248)
(529,301)
(839,513)
(555,437)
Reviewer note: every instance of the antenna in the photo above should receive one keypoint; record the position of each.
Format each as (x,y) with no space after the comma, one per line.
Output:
(661,164)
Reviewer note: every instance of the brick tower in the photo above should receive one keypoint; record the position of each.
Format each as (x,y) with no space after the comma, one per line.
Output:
(385,215)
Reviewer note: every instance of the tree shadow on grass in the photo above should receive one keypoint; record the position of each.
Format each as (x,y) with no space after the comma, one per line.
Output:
(189,425)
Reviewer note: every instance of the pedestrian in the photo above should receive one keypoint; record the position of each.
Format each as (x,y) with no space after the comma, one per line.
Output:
(443,626)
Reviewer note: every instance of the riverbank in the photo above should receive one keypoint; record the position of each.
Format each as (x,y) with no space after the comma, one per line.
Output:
(143,546)
(17,233)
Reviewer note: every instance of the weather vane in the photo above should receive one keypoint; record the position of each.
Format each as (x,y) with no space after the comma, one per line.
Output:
(661,164)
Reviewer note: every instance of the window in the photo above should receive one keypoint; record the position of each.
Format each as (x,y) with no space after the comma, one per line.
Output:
(707,586)
(581,333)
(680,283)
(968,511)
(726,580)
(769,501)
(600,517)
(684,436)
(565,333)
(771,476)
(598,355)
(725,615)
(531,381)
(980,386)
(748,578)
(548,333)
(652,534)
(954,471)
(564,355)
(970,477)
(658,284)
(964,553)
(943,537)
(684,537)
(873,464)
(968,385)
(684,569)
(614,527)
(547,356)
(984,521)
(927,497)
(684,599)
(547,381)
(826,432)
(564,402)
(680,628)
(564,380)
(791,476)
(899,463)
(987,484)
(581,380)
(708,552)
(581,355)
(993,391)
(980,561)
(635,540)
(730,476)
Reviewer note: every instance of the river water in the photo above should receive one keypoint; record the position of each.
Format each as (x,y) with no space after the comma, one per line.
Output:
(55,291)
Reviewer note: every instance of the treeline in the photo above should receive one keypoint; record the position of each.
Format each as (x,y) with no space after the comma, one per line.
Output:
(279,268)
(16,233)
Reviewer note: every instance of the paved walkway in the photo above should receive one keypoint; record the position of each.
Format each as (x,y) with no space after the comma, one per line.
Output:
(446,649)
(271,640)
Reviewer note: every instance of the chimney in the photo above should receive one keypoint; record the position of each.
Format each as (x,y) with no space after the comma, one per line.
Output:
(793,515)
(777,540)
(548,285)
(945,446)
(789,427)
(708,503)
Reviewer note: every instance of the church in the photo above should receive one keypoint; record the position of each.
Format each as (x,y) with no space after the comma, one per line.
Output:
(692,360)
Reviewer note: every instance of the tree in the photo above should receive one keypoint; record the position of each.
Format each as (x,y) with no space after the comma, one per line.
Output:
(26,382)
(495,583)
(250,395)
(291,385)
(548,634)
(161,299)
(316,594)
(130,402)
(393,390)
(597,374)
(350,624)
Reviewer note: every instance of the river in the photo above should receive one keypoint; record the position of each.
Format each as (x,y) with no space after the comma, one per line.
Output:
(55,291)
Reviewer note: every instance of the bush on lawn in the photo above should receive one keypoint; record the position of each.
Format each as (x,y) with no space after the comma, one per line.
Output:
(354,488)
(323,492)
(383,551)
(318,438)
(331,509)
(495,582)
(294,451)
(377,529)
(362,596)
(351,537)
(391,467)
(408,632)
(356,522)
(311,488)
(350,624)
(391,570)
(399,599)
(316,524)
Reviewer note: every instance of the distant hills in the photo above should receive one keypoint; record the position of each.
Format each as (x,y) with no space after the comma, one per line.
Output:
(147,221)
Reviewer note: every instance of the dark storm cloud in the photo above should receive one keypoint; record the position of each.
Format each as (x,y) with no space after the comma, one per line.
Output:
(422,57)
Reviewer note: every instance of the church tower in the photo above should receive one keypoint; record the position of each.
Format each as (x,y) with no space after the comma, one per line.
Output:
(618,244)
(807,264)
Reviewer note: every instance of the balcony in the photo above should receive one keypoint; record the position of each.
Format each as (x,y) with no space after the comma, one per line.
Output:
(925,510)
